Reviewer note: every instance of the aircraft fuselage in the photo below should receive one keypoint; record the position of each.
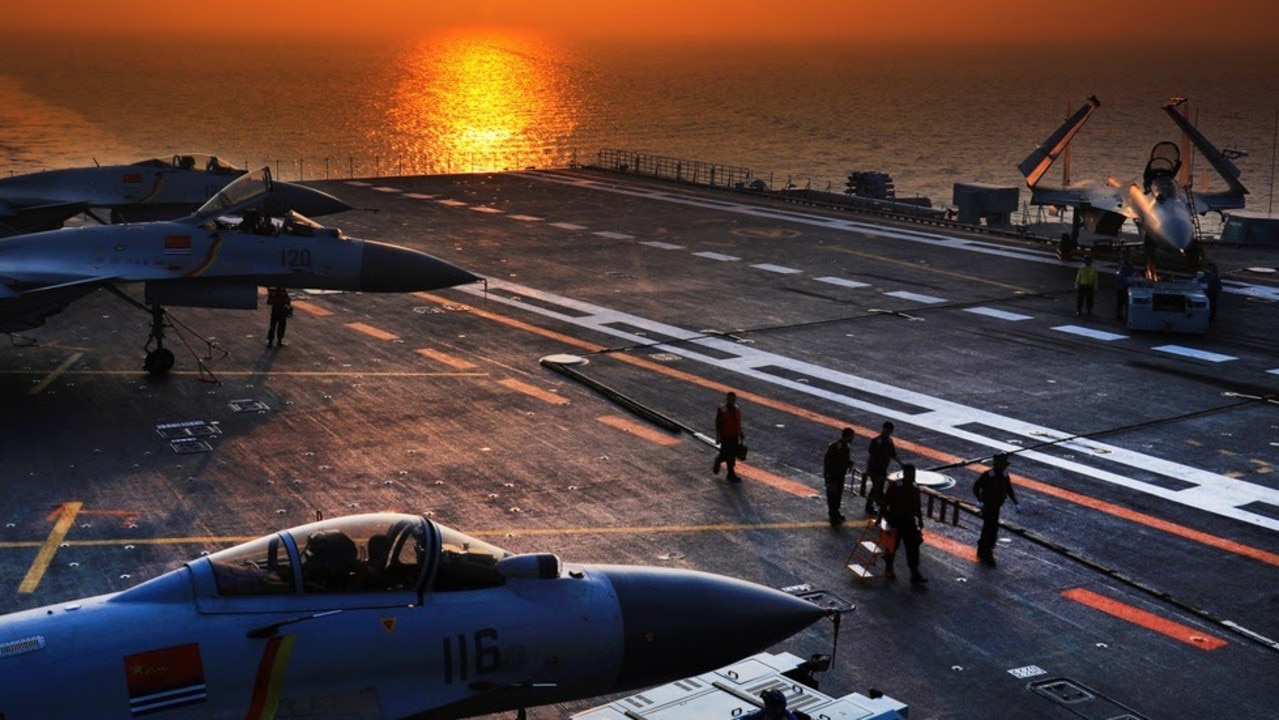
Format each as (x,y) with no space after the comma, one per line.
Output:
(1163,217)
(385,616)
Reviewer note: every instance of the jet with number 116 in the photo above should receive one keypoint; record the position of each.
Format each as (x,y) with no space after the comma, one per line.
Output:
(383,616)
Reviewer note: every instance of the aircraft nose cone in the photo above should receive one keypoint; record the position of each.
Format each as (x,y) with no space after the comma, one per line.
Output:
(389,268)
(678,623)
(1179,234)
(302,200)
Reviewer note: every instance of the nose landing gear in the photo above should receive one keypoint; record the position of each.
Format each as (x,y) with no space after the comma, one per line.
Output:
(159,361)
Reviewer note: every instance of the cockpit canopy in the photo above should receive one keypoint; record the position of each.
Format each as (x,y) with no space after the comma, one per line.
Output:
(384,552)
(1164,162)
(257,222)
(248,190)
(211,164)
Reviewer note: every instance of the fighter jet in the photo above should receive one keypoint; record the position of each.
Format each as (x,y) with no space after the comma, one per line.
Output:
(1161,205)
(208,259)
(143,191)
(378,616)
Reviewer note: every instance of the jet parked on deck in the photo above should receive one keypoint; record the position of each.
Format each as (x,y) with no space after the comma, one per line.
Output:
(139,192)
(1161,204)
(207,259)
(378,616)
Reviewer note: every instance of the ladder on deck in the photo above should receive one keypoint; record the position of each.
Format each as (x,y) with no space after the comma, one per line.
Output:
(865,559)
(1194,216)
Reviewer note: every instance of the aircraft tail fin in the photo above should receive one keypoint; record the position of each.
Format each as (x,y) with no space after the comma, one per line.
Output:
(1224,167)
(1038,162)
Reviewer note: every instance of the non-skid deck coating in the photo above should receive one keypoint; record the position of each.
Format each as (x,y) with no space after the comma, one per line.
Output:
(1144,460)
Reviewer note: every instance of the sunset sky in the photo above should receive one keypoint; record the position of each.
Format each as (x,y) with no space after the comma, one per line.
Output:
(1223,22)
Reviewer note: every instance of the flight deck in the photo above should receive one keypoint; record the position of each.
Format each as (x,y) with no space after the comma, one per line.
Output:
(1139,579)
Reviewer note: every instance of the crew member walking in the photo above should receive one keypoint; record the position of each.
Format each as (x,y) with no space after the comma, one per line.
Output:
(991,489)
(281,310)
(729,435)
(903,512)
(835,467)
(1085,287)
(879,452)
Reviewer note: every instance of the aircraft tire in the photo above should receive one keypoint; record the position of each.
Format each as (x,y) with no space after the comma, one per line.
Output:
(158,362)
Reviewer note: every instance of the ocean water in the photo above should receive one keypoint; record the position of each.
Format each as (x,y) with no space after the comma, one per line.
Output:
(475,101)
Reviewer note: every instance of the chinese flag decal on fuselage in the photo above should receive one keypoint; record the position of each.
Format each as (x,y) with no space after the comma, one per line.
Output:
(164,679)
(177,244)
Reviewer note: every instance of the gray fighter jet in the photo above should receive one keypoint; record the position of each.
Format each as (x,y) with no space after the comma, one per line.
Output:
(208,259)
(1161,205)
(143,191)
(378,616)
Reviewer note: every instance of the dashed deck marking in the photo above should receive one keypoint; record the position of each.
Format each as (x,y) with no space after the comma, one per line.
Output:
(533,391)
(779,269)
(933,270)
(951,547)
(372,331)
(998,314)
(387,189)
(638,430)
(662,245)
(915,297)
(39,387)
(311,308)
(567,226)
(751,472)
(842,282)
(614,235)
(453,362)
(65,519)
(419,196)
(1089,333)
(525,218)
(1148,620)
(1194,354)
(451,203)
(716,256)
(486,209)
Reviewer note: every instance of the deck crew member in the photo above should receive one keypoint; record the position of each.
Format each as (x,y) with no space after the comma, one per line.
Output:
(729,434)
(835,467)
(992,488)
(878,453)
(1085,287)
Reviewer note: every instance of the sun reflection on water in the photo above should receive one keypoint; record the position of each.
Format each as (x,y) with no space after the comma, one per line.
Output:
(481,101)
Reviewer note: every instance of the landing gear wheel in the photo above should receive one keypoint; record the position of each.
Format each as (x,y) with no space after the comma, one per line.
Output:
(159,361)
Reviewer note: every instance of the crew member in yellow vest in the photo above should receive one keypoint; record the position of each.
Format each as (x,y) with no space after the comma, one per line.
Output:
(1085,287)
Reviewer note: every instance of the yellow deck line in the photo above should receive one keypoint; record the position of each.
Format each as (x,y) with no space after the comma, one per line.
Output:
(54,375)
(47,550)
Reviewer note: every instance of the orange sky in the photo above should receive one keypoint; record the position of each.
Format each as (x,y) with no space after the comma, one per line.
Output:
(927,21)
